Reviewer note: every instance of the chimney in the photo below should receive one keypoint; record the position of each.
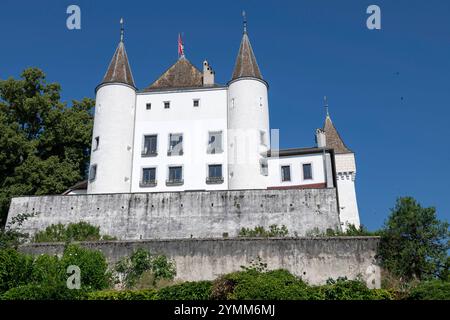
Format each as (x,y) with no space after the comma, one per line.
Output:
(321,139)
(208,74)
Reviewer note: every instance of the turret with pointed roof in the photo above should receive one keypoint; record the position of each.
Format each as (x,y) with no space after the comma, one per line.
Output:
(333,138)
(246,65)
(119,70)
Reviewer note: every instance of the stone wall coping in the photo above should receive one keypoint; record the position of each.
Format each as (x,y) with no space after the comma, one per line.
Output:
(344,238)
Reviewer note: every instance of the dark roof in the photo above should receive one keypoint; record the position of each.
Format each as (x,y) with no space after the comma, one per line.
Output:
(246,65)
(333,139)
(119,69)
(298,151)
(182,74)
(82,185)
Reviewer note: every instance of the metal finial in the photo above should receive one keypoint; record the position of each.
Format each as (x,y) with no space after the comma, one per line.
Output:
(122,29)
(325,100)
(244,16)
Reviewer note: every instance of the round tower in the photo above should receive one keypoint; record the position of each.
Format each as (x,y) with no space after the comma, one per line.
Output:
(112,140)
(248,122)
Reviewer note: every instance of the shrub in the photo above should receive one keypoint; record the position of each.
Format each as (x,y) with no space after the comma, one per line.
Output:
(343,289)
(93,266)
(15,269)
(140,263)
(431,290)
(254,285)
(200,290)
(274,231)
(43,292)
(48,270)
(81,231)
(148,294)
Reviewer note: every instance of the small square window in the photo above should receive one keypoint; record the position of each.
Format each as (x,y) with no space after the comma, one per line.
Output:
(166,104)
(262,138)
(196,102)
(148,106)
(285,173)
(307,171)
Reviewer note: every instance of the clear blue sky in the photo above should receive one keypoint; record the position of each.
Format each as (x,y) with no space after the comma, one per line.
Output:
(389,90)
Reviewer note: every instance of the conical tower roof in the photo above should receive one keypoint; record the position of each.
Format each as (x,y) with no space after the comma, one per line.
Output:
(119,69)
(246,65)
(333,139)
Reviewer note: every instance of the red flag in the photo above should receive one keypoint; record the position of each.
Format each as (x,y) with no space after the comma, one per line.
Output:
(180,46)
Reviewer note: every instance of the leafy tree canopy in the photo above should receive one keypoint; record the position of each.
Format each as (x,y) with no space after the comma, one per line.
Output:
(44,143)
(414,242)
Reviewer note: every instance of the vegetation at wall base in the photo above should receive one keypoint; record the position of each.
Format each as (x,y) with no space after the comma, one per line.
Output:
(81,231)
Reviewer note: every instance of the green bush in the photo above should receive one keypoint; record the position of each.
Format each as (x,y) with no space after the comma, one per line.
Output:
(149,294)
(343,289)
(81,231)
(93,266)
(43,292)
(271,285)
(200,290)
(48,270)
(140,263)
(261,232)
(15,269)
(431,290)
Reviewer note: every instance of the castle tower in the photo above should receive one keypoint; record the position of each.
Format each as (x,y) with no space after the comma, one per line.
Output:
(111,155)
(345,172)
(248,121)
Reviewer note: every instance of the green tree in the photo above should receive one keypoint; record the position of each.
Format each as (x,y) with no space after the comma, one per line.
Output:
(44,143)
(414,242)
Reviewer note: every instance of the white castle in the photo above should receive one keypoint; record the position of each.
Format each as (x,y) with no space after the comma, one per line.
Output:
(185,132)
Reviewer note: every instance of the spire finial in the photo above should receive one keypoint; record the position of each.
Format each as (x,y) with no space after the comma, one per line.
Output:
(325,101)
(122,29)
(244,16)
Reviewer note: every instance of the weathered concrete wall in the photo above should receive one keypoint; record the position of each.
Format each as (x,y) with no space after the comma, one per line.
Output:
(313,259)
(184,214)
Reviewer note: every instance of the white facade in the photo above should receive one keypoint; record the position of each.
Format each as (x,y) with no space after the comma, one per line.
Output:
(194,123)
(346,174)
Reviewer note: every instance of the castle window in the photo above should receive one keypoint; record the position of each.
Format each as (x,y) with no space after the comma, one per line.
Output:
(307,171)
(264,167)
(175,144)
(214,174)
(166,104)
(196,102)
(215,142)
(93,172)
(262,138)
(285,173)
(96,143)
(148,106)
(175,176)
(148,177)
(150,146)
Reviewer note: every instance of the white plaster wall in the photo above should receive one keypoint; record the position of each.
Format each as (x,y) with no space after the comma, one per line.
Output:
(296,163)
(194,123)
(346,175)
(113,123)
(248,114)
